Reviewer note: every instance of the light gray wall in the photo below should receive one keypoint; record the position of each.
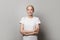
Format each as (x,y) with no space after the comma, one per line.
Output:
(8,20)
(48,11)
(12,10)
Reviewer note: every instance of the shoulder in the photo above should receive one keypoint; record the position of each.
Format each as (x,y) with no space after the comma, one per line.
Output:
(38,21)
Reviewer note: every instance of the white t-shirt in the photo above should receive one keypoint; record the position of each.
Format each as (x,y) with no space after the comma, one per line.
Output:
(29,23)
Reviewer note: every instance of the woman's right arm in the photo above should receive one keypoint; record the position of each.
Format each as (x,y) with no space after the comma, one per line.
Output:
(22,29)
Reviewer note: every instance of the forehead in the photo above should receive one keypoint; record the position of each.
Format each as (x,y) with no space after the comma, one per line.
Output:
(29,7)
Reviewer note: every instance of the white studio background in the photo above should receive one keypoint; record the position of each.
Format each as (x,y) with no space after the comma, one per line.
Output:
(11,12)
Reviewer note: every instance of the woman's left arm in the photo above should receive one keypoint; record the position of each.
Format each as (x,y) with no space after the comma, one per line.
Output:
(36,30)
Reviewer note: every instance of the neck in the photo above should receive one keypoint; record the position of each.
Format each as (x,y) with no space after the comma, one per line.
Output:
(30,16)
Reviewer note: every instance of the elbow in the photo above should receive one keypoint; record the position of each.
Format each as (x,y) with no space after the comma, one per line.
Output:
(21,32)
(37,32)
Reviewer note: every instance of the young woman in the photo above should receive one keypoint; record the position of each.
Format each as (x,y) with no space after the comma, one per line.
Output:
(29,25)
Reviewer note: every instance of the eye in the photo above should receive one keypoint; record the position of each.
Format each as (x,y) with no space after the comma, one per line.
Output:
(27,9)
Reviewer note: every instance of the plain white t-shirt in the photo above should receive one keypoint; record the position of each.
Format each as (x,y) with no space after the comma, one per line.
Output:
(29,23)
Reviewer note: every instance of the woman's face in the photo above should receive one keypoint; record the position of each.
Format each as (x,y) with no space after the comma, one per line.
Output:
(30,11)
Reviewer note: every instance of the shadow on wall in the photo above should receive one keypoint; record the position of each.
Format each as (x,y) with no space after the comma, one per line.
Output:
(41,35)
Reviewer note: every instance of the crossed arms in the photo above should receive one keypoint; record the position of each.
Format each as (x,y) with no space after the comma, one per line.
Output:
(23,32)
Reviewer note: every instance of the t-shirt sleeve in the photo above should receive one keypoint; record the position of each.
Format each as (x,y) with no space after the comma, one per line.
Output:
(38,21)
(22,20)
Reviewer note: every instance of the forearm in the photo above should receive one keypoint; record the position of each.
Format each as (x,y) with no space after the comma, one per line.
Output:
(32,33)
(29,32)
(23,32)
(26,32)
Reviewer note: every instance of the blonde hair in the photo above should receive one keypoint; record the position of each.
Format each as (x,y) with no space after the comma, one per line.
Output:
(30,6)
